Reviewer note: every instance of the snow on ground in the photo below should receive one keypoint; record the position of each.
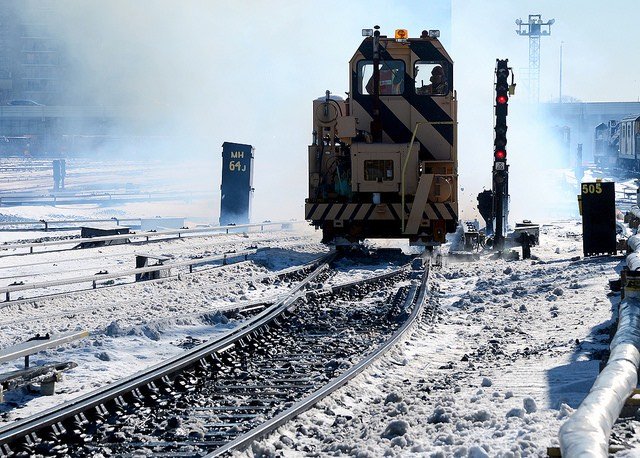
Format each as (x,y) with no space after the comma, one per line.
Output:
(125,210)
(514,349)
(86,176)
(137,325)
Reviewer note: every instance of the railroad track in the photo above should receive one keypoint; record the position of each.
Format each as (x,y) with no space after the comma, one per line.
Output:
(223,394)
(86,279)
(102,198)
(288,275)
(138,238)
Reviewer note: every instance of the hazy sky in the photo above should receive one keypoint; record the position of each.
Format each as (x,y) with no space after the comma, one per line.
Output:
(599,43)
(248,71)
(598,65)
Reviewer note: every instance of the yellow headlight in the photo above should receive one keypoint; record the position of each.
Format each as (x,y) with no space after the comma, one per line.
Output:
(402,34)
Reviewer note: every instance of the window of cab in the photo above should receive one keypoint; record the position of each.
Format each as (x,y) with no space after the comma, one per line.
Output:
(391,77)
(431,78)
(378,170)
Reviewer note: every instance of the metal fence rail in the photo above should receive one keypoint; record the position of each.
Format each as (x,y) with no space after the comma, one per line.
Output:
(94,279)
(205,231)
(51,223)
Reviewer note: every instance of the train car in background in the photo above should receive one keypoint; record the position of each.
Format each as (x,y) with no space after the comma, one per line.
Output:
(20,146)
(629,143)
(383,163)
(617,144)
(605,151)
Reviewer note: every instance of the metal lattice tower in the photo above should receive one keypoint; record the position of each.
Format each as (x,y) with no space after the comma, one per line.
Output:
(534,30)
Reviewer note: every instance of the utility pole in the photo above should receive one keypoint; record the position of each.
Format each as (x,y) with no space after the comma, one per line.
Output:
(534,29)
(560,88)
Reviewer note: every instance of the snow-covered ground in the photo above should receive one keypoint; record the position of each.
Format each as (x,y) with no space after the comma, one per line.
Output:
(136,325)
(514,347)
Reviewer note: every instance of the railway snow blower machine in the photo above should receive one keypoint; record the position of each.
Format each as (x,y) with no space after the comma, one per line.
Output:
(383,162)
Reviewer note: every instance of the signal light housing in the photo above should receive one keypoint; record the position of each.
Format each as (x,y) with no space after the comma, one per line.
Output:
(500,143)
(502,99)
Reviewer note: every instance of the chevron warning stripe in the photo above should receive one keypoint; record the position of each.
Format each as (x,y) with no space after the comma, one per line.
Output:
(321,212)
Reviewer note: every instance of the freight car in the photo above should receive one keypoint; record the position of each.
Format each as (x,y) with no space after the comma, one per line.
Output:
(617,144)
(383,162)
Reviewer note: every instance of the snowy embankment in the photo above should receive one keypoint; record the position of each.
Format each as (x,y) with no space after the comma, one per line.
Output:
(137,325)
(514,349)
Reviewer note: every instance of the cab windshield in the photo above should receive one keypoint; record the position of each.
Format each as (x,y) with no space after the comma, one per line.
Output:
(392,74)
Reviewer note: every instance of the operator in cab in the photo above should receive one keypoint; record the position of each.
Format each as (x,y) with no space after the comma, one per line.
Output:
(438,86)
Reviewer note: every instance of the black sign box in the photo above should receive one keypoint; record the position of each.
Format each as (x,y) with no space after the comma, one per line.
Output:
(236,191)
(598,218)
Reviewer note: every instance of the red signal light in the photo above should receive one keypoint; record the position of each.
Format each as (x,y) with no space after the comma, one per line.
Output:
(500,155)
(502,99)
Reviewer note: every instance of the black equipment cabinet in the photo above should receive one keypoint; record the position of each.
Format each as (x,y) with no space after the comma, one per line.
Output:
(237,183)
(598,202)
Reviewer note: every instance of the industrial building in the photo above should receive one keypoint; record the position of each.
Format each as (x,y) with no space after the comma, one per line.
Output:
(39,113)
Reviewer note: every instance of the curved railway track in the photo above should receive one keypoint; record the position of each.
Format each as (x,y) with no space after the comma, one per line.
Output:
(223,394)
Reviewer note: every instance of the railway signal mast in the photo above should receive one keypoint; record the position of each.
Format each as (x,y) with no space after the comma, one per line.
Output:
(500,167)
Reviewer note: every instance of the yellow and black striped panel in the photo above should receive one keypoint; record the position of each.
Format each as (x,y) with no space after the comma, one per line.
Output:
(437,138)
(321,212)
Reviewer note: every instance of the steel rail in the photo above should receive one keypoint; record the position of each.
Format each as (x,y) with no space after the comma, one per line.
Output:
(232,307)
(26,427)
(83,255)
(210,230)
(169,277)
(416,295)
(48,223)
(31,347)
(95,278)
(256,278)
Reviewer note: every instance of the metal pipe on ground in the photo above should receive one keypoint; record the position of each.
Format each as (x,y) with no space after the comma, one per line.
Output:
(633,248)
(635,211)
(633,262)
(586,433)
(633,245)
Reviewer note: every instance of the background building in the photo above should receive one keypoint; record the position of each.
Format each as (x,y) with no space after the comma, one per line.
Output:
(32,62)
(40,113)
